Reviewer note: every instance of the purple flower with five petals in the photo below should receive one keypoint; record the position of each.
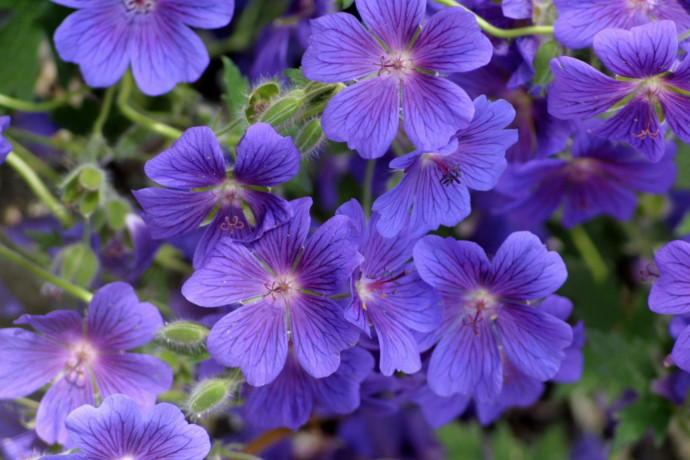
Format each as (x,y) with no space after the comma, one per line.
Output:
(389,296)
(645,59)
(395,66)
(435,187)
(288,400)
(105,36)
(195,171)
(488,312)
(118,429)
(600,178)
(76,356)
(284,284)
(5,146)
(579,21)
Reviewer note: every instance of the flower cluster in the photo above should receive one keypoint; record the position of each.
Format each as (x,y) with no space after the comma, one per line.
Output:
(410,228)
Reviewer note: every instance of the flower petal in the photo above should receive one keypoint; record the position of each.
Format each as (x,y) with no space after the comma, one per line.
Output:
(533,340)
(98,39)
(340,50)
(642,52)
(676,108)
(579,91)
(451,41)
(394,21)
(319,333)
(255,338)
(201,14)
(467,363)
(165,53)
(141,377)
(193,161)
(167,435)
(117,321)
(330,256)
(63,325)
(265,158)
(340,392)
(523,269)
(365,115)
(61,398)
(670,294)
(434,109)
(230,274)
(28,362)
(173,212)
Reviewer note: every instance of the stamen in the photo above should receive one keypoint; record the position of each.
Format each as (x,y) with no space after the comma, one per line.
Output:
(231,225)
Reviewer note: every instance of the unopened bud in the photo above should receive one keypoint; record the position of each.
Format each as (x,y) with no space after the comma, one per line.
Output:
(309,137)
(282,111)
(212,394)
(184,337)
(259,101)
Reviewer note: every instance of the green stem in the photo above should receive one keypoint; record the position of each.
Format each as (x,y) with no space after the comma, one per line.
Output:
(498,32)
(26,402)
(368,184)
(590,253)
(25,106)
(139,118)
(229,127)
(66,286)
(39,188)
(33,161)
(105,111)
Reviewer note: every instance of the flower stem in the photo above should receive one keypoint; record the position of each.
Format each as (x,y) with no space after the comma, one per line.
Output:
(265,440)
(498,32)
(25,106)
(590,253)
(368,185)
(39,188)
(105,111)
(66,286)
(139,118)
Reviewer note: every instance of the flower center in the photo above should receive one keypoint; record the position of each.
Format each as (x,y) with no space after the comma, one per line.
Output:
(581,169)
(449,174)
(281,286)
(139,6)
(81,356)
(370,285)
(642,5)
(479,305)
(399,65)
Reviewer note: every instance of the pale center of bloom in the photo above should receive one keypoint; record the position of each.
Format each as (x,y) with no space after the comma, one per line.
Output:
(643,5)
(581,169)
(281,286)
(381,286)
(479,305)
(139,6)
(81,356)
(399,64)
(128,457)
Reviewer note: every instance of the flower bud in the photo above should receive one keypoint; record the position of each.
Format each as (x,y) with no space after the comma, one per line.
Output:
(211,395)
(282,111)
(184,337)
(309,137)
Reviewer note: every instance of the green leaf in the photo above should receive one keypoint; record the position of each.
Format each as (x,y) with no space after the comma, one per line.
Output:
(649,412)
(79,264)
(89,203)
(461,441)
(90,178)
(345,4)
(236,86)
(296,77)
(547,51)
(20,38)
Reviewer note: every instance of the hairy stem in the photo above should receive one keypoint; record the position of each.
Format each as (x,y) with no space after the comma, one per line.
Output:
(139,118)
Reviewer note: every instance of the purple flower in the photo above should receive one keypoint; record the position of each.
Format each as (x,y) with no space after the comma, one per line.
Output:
(517,9)
(283,283)
(600,178)
(435,188)
(488,312)
(579,21)
(288,400)
(645,58)
(389,296)
(74,356)
(130,263)
(105,36)
(195,172)
(670,295)
(5,146)
(118,429)
(401,70)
